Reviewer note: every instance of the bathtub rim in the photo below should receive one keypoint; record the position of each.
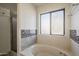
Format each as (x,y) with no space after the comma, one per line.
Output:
(34,45)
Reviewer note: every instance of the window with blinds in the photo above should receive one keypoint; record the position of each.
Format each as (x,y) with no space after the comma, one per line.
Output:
(53,22)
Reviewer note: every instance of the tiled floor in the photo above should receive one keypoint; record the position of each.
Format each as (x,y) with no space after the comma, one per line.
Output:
(5,55)
(8,54)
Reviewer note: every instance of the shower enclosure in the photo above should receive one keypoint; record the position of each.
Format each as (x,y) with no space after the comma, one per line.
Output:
(8,29)
(14,33)
(4,31)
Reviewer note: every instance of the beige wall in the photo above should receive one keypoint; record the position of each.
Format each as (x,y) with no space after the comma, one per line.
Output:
(62,42)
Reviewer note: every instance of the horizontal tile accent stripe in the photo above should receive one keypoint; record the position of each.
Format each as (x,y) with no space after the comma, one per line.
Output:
(27,33)
(73,36)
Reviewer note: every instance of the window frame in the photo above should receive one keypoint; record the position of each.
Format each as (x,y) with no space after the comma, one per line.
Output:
(50,21)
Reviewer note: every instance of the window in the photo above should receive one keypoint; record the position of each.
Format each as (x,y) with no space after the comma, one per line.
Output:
(53,22)
(45,24)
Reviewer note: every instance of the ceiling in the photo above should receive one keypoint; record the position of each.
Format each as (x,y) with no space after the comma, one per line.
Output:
(39,4)
(11,6)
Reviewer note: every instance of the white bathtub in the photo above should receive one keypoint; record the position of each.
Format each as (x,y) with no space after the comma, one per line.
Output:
(43,50)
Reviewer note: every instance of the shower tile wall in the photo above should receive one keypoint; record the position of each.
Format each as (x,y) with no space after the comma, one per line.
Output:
(28,38)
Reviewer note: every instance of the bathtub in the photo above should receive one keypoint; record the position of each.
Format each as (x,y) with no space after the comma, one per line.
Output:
(43,50)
